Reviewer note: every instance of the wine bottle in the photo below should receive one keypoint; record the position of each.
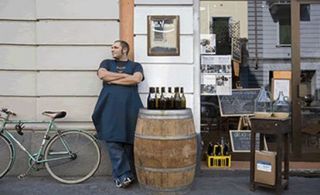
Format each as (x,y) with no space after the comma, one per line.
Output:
(226,149)
(177,99)
(217,149)
(163,100)
(157,98)
(222,144)
(210,149)
(183,99)
(151,102)
(170,101)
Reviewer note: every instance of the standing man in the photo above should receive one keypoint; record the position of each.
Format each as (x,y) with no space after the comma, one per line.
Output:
(116,111)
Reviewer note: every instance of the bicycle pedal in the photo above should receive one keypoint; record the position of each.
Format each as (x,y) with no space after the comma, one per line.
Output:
(21,176)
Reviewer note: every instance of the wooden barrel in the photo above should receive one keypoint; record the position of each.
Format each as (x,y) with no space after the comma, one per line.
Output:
(165,150)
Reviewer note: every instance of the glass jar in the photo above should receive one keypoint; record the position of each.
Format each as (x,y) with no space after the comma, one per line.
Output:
(263,104)
(281,106)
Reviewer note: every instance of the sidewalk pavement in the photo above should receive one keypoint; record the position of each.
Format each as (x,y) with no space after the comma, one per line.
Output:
(205,184)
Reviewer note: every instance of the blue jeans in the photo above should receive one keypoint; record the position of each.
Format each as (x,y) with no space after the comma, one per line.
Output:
(121,156)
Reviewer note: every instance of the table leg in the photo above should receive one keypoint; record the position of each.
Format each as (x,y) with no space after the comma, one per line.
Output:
(261,141)
(252,160)
(286,159)
(279,164)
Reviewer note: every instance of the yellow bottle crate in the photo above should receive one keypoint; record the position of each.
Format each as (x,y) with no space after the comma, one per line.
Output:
(219,161)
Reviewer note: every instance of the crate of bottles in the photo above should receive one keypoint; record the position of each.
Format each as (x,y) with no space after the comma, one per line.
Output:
(218,155)
(219,161)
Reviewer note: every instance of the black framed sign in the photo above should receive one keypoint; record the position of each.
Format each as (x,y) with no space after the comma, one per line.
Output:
(163,36)
(240,103)
(241,140)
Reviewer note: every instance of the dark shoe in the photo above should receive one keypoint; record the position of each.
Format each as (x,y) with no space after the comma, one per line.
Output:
(118,184)
(127,181)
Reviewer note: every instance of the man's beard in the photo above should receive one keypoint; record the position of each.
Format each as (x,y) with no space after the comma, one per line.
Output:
(122,54)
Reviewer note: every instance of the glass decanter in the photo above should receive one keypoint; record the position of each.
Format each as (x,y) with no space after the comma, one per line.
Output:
(263,104)
(281,106)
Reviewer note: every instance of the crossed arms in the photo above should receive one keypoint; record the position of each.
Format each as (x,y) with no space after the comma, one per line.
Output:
(119,78)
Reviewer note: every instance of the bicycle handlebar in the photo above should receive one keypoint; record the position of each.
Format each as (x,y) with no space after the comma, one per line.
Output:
(19,127)
(5,110)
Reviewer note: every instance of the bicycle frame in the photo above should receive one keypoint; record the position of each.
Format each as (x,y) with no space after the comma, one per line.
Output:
(35,157)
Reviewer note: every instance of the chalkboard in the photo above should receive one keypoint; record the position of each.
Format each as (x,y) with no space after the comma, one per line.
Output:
(240,140)
(240,103)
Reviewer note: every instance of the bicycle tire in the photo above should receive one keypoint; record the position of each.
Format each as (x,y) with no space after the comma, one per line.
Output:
(81,160)
(6,155)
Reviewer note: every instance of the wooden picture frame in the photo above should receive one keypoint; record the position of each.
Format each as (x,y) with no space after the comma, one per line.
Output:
(163,36)
(278,85)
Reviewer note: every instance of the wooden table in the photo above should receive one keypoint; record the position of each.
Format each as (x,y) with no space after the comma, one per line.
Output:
(280,128)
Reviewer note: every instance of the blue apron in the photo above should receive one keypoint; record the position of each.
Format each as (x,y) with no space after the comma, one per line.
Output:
(115,114)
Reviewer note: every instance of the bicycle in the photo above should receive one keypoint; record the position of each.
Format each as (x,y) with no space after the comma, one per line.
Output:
(59,153)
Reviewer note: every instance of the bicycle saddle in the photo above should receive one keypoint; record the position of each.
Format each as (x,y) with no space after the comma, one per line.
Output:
(55,115)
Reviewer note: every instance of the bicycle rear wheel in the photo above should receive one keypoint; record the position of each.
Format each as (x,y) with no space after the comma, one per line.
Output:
(6,155)
(72,156)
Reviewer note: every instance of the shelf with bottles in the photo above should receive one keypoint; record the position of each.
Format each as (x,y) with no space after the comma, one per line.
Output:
(173,100)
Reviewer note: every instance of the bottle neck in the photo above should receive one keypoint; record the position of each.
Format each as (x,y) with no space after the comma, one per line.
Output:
(281,97)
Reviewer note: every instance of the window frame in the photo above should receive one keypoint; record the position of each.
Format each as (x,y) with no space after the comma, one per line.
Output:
(301,20)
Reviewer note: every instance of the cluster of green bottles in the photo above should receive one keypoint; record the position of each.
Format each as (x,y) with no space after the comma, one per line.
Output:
(166,101)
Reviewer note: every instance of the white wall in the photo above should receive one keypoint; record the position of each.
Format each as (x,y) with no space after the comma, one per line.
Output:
(170,71)
(50,50)
(49,54)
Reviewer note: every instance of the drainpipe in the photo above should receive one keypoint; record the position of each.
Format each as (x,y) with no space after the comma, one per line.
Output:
(126,24)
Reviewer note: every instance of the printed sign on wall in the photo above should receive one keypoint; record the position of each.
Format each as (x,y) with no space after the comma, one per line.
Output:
(216,75)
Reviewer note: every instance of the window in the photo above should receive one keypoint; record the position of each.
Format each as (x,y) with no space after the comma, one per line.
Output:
(285,23)
(285,31)
(305,12)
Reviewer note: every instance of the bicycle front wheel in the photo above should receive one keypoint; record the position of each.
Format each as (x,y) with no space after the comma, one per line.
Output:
(72,156)
(6,155)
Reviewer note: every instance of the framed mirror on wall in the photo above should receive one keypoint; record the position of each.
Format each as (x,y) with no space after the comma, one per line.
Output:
(163,36)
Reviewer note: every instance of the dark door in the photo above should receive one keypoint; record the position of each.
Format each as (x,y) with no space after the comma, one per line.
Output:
(220,27)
